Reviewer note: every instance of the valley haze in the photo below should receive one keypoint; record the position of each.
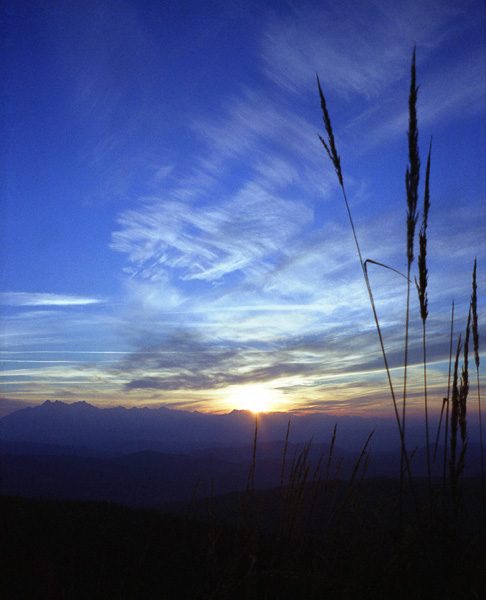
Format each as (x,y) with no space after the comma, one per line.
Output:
(151,457)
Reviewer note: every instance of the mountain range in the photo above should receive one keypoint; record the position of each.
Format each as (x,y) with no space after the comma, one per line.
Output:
(108,430)
(150,457)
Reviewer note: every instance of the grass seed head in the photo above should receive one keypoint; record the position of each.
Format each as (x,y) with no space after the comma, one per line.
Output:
(422,258)
(413,169)
(474,310)
(330,146)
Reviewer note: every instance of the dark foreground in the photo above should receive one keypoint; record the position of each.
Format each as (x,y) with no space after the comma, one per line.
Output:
(336,542)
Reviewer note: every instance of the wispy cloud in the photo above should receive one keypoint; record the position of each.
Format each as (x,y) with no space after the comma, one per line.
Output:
(209,242)
(59,328)
(457,90)
(358,49)
(362,52)
(45,299)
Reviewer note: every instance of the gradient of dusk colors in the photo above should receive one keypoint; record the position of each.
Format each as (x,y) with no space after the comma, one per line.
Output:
(172,229)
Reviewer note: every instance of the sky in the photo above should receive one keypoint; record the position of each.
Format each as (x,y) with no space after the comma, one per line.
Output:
(172,230)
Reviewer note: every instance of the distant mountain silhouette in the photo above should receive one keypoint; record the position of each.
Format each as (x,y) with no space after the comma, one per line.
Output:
(120,429)
(147,457)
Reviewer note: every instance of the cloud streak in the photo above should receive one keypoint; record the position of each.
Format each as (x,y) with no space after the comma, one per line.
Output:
(45,299)
(209,242)
(359,56)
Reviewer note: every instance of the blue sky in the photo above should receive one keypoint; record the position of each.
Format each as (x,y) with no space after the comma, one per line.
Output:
(172,230)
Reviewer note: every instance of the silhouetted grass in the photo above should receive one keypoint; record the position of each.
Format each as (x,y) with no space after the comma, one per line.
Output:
(434,521)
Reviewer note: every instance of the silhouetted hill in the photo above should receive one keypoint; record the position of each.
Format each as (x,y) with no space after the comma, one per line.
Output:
(141,479)
(78,550)
(339,541)
(150,478)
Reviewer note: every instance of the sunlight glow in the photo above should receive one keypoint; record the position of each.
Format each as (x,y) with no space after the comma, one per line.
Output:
(255,397)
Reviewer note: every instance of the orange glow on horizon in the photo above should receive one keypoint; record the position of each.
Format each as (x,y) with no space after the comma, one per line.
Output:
(256,398)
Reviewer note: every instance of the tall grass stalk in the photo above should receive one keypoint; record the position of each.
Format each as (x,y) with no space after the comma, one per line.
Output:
(475,334)
(464,389)
(412,177)
(330,148)
(463,394)
(423,300)
(454,422)
(331,449)
(460,391)
(332,153)
(282,474)
(445,402)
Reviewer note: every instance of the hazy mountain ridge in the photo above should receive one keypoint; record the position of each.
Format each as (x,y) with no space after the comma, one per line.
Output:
(172,430)
(147,457)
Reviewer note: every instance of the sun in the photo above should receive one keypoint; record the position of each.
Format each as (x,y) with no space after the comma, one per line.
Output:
(254,397)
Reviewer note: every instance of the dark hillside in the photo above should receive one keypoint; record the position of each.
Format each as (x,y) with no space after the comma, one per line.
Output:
(59,550)
(272,545)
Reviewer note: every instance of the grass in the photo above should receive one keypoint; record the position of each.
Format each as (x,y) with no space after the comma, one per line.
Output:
(460,390)
(439,518)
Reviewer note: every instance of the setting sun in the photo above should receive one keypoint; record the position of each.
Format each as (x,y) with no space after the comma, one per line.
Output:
(254,397)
